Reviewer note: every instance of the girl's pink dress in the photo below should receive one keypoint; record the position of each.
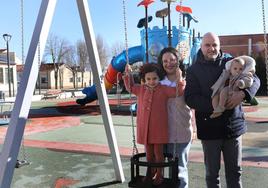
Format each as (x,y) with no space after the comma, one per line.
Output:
(152,121)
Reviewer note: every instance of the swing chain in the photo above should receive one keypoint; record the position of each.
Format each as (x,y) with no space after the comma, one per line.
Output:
(177,89)
(135,148)
(25,157)
(24,154)
(22,31)
(180,18)
(125,29)
(265,43)
(118,89)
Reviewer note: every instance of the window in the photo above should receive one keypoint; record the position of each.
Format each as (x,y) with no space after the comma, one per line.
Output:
(43,80)
(11,74)
(1,75)
(71,80)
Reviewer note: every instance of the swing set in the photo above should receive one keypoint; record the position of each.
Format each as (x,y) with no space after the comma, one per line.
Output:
(7,106)
(14,136)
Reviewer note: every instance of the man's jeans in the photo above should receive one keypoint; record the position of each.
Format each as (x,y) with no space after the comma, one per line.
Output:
(231,149)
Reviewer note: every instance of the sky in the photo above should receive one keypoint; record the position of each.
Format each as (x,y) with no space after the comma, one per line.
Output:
(223,17)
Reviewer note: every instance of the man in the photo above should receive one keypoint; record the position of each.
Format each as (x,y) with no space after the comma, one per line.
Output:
(221,135)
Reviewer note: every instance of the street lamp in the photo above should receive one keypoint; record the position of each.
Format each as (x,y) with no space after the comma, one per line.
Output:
(7,38)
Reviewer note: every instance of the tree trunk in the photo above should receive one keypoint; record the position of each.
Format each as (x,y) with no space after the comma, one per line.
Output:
(82,79)
(74,80)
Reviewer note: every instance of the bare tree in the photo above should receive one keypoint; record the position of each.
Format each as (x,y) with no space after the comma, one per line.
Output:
(82,54)
(103,51)
(83,58)
(58,51)
(71,63)
(117,48)
(55,51)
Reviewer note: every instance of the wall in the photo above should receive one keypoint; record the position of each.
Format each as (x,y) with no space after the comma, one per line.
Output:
(239,44)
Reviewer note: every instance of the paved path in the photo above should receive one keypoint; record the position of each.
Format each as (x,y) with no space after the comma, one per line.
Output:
(65,129)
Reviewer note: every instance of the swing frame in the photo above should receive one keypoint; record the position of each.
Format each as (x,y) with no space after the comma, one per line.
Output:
(19,115)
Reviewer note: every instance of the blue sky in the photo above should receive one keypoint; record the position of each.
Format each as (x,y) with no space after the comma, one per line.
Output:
(225,17)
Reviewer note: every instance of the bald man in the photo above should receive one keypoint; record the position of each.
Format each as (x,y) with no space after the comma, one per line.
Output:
(221,135)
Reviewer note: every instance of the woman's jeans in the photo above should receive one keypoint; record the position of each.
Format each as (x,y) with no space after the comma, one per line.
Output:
(182,152)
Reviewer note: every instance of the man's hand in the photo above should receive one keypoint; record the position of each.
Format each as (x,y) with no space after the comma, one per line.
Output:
(235,99)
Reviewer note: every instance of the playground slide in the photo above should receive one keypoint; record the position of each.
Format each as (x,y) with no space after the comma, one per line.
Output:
(117,65)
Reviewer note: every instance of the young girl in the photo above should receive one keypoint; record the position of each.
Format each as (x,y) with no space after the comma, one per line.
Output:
(180,121)
(152,130)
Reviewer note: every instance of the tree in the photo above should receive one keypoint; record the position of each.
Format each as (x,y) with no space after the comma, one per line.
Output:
(71,63)
(103,51)
(117,48)
(55,51)
(82,58)
(76,58)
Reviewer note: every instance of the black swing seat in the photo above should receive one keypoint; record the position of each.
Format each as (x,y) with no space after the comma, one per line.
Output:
(138,160)
(21,163)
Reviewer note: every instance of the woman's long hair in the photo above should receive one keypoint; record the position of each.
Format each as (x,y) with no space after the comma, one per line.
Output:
(175,53)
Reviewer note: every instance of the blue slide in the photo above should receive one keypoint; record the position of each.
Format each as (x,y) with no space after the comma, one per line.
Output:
(118,63)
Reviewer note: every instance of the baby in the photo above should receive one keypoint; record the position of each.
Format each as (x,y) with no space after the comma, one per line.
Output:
(237,75)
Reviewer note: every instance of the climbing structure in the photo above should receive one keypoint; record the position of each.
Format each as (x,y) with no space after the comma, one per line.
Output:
(153,40)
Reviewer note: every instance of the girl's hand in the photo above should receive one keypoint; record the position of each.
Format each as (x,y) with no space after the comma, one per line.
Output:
(128,68)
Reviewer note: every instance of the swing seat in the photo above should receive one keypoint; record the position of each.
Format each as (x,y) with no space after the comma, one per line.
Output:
(138,161)
(5,111)
(4,122)
(21,163)
(133,108)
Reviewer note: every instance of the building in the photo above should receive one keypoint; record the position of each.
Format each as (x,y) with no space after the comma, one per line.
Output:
(236,45)
(13,60)
(252,45)
(46,75)
(65,80)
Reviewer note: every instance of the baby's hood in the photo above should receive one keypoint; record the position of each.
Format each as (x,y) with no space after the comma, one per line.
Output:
(249,64)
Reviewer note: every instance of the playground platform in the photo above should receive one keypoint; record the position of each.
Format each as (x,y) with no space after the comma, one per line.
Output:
(67,147)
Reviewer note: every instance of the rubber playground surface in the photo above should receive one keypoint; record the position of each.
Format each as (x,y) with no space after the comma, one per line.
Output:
(67,147)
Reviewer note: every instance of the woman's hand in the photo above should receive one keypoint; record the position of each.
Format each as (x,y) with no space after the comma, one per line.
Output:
(194,137)
(179,75)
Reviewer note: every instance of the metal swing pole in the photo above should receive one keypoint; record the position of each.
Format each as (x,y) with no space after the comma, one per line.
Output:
(146,34)
(101,91)
(22,104)
(146,3)
(169,25)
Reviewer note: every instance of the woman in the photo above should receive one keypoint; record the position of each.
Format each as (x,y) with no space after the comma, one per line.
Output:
(179,115)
